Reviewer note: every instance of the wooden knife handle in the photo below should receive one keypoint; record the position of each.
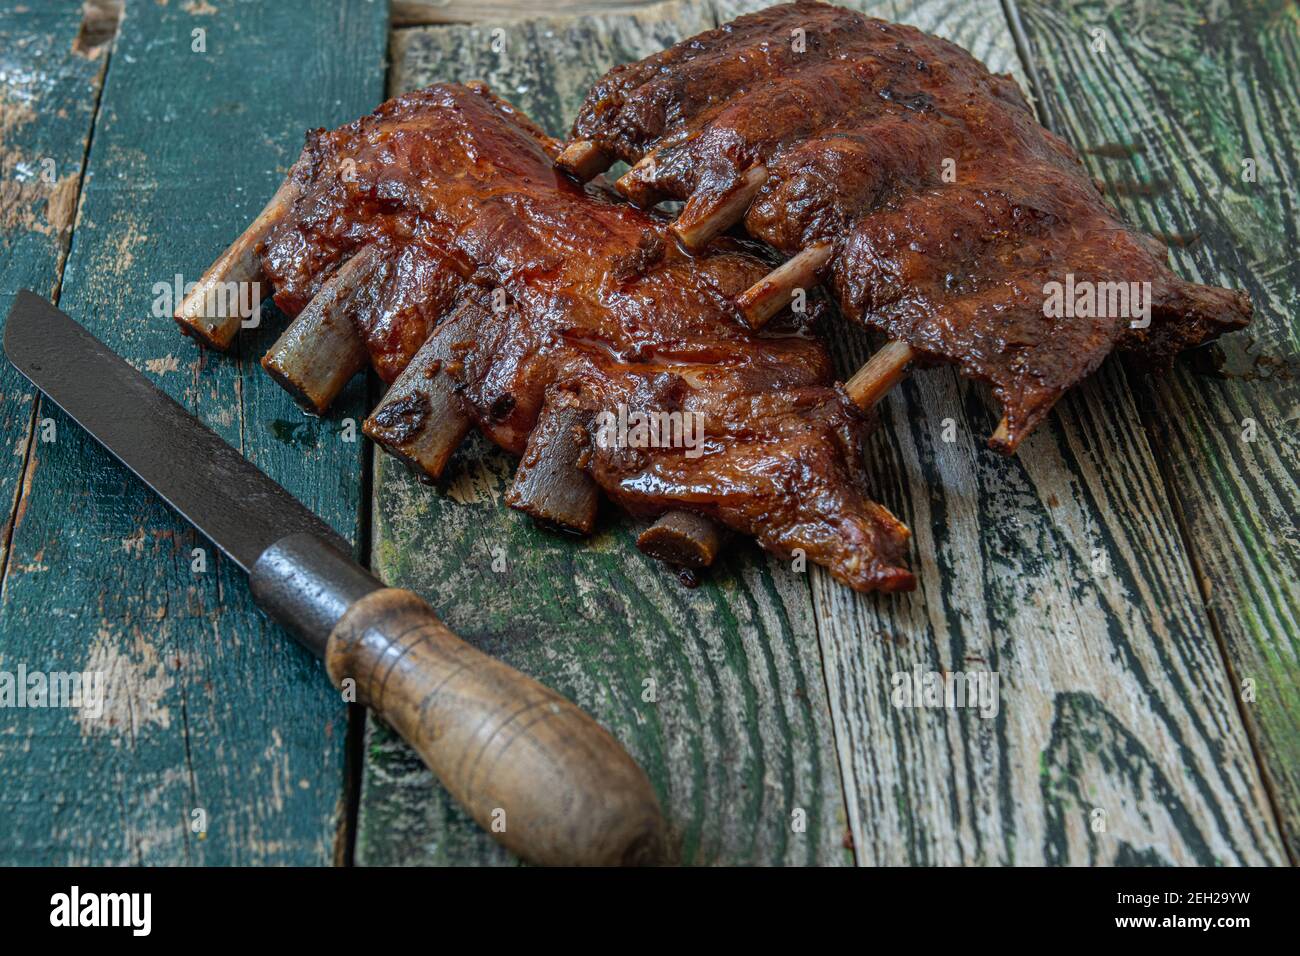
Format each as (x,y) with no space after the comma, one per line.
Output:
(535,771)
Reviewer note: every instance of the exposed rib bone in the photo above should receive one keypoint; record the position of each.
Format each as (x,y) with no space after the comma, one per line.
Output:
(584,160)
(636,184)
(702,220)
(774,291)
(683,539)
(422,420)
(322,349)
(1000,440)
(199,315)
(881,373)
(550,484)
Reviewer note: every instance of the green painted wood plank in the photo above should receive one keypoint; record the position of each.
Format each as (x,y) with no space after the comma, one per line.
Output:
(1062,571)
(738,738)
(208,705)
(1191,93)
(47,106)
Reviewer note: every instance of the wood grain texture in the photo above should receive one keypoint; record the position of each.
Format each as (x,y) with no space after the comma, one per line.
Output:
(717,691)
(408,13)
(1062,571)
(1185,95)
(208,706)
(47,107)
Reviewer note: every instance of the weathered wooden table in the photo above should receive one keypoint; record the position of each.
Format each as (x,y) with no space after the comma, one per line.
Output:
(1132,576)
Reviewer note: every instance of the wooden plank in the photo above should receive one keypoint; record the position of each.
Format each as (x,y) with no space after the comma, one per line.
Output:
(209,707)
(47,106)
(1188,94)
(409,13)
(1061,571)
(737,740)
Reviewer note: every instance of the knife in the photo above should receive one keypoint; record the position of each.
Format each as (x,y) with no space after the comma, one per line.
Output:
(534,770)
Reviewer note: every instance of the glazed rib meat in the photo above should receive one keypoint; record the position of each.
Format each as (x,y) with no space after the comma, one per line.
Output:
(493,289)
(951,211)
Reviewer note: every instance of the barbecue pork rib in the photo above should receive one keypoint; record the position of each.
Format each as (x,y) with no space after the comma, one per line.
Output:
(532,306)
(855,122)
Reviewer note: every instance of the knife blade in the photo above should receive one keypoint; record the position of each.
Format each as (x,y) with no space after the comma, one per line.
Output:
(543,777)
(208,482)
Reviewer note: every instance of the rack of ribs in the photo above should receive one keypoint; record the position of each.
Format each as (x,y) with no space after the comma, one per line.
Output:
(916,183)
(436,241)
